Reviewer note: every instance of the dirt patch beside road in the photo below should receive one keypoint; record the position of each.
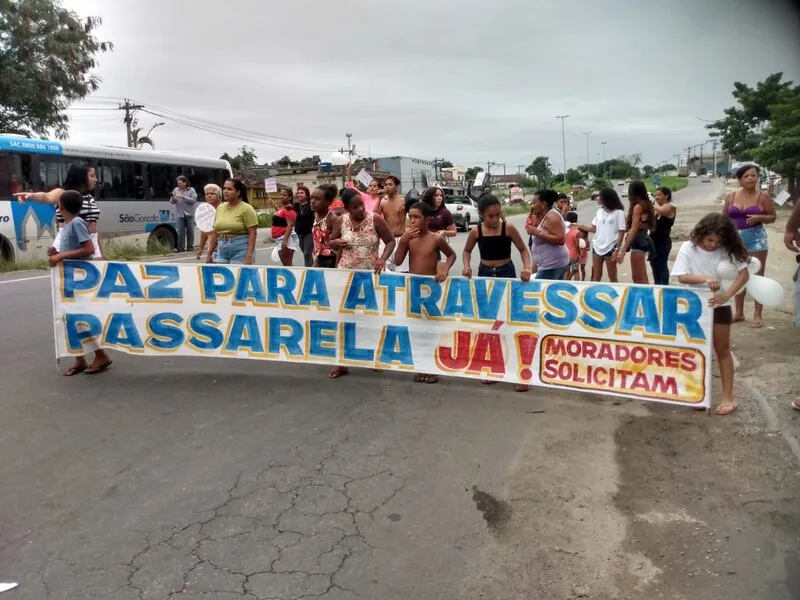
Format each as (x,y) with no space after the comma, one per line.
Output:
(622,500)
(713,500)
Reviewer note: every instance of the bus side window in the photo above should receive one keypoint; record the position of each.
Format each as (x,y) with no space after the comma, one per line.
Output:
(138,181)
(199,179)
(220,176)
(161,183)
(5,177)
(52,172)
(114,179)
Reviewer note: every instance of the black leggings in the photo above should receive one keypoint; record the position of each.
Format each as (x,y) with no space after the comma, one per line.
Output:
(658,262)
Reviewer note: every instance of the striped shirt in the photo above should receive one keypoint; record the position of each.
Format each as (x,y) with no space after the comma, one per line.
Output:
(89,211)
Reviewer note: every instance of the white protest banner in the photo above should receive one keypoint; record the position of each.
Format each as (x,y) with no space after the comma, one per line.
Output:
(364,177)
(270,185)
(479,179)
(651,343)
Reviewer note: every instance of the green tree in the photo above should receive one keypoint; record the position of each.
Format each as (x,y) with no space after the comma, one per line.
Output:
(741,129)
(445,164)
(763,126)
(47,55)
(469,177)
(540,170)
(780,150)
(600,183)
(245,159)
(574,176)
(648,170)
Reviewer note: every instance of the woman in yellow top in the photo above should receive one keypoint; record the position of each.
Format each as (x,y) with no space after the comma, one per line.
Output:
(235,226)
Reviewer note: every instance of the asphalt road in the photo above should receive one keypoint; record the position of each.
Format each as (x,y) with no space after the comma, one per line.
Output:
(220,479)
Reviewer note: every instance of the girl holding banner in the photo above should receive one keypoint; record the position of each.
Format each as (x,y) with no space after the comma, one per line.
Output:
(494,237)
(357,235)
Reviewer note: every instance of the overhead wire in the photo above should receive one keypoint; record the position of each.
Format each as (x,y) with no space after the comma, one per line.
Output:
(222,130)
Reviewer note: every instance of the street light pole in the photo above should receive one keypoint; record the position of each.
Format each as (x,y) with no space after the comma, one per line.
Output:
(586,133)
(605,167)
(563,144)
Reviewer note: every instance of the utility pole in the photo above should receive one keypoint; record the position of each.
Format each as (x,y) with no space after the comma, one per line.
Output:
(563,144)
(588,172)
(605,166)
(351,149)
(130,109)
(714,150)
(519,169)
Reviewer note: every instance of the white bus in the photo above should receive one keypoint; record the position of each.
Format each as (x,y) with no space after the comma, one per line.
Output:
(133,191)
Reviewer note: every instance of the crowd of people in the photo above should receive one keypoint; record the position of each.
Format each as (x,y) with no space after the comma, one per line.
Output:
(378,229)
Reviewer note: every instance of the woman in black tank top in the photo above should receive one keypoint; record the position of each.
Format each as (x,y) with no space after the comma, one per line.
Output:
(494,237)
(665,218)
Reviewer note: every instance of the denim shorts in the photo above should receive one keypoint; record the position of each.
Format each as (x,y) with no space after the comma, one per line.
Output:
(231,250)
(755,238)
(293,243)
(551,274)
(507,270)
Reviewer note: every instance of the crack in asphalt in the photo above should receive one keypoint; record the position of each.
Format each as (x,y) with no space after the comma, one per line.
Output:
(314,492)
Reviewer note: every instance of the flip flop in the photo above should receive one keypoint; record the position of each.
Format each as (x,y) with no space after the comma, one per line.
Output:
(521,387)
(726,410)
(487,382)
(95,369)
(796,404)
(76,370)
(757,324)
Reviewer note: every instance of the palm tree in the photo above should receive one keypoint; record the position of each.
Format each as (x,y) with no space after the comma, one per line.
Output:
(138,140)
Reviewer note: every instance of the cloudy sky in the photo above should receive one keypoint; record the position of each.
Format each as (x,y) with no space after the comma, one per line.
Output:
(468,80)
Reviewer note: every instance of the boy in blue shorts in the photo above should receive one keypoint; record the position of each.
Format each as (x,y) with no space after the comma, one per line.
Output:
(76,243)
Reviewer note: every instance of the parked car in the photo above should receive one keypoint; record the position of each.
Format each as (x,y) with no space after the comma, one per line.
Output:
(464,211)
(621,182)
(573,204)
(706,178)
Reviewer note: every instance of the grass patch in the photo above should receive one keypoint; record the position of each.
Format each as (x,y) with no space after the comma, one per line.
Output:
(264,220)
(673,183)
(130,251)
(23,265)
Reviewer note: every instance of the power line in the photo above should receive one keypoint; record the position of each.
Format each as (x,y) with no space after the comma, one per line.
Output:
(250,132)
(221,130)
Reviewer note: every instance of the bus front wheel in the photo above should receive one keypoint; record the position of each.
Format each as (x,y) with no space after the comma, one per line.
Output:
(6,250)
(162,238)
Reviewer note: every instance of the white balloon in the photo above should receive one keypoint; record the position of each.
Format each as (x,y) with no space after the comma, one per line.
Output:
(754,265)
(339,159)
(727,270)
(204,217)
(275,256)
(765,291)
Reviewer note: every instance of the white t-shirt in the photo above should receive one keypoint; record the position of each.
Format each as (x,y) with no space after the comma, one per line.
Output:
(693,260)
(608,225)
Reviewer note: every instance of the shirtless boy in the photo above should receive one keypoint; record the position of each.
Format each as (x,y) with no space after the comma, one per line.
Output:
(392,209)
(423,248)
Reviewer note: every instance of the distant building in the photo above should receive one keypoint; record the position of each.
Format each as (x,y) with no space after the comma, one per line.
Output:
(310,176)
(454,175)
(503,182)
(412,172)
